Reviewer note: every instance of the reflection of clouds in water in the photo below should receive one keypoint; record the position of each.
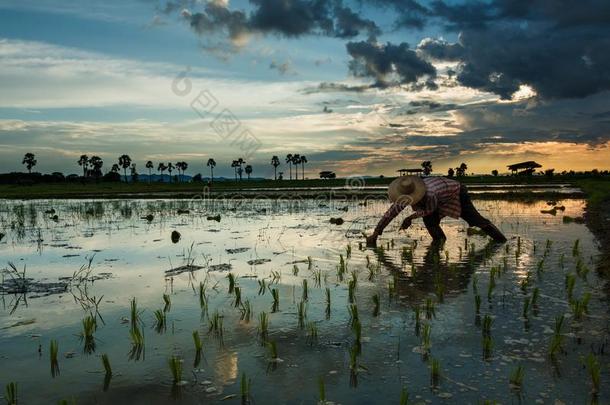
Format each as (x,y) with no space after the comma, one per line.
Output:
(226,367)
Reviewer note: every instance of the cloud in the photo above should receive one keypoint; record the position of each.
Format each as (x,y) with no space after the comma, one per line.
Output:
(282,67)
(388,63)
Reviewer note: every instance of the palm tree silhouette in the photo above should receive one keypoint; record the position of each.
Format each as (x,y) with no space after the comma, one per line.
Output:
(427,166)
(235,165)
(211,164)
(249,171)
(289,161)
(275,162)
(96,163)
(170,169)
(296,161)
(450,172)
(162,168)
(84,162)
(149,166)
(29,160)
(461,170)
(125,162)
(303,161)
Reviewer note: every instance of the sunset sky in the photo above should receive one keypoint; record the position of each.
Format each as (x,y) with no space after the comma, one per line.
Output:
(360,87)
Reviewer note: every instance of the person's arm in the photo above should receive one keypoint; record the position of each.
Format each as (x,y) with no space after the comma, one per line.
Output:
(389,215)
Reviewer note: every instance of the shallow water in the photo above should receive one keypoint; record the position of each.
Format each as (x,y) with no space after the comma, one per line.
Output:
(283,234)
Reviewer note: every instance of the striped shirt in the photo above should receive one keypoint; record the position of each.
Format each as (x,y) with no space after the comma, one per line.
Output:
(442,194)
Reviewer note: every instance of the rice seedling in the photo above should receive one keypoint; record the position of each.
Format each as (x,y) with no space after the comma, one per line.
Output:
(353,314)
(246,311)
(487,347)
(262,287)
(491,286)
(576,248)
(276,300)
(309,262)
(516,377)
(175,366)
(160,321)
(558,324)
(216,324)
(357,329)
(594,370)
(535,297)
(10,395)
(581,269)
(540,266)
(348,251)
(477,304)
(555,345)
(231,278)
(430,310)
(376,305)
(486,326)
(135,314)
(475,284)
(321,390)
(197,341)
(328,302)
(312,333)
(137,343)
(526,307)
(295,270)
(425,339)
(305,290)
(440,292)
(578,309)
(351,287)
(53,351)
(89,327)
(302,313)
(391,289)
(570,283)
(237,303)
(342,266)
(263,326)
(276,277)
(168,303)
(203,299)
(245,389)
(435,372)
(417,315)
(106,363)
(317,278)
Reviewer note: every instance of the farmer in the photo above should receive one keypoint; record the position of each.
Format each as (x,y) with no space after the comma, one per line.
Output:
(432,198)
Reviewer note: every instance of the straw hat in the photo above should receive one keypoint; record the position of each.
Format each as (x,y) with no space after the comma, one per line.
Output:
(407,189)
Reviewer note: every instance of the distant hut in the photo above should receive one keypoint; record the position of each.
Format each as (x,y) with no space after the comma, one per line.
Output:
(524,168)
(403,172)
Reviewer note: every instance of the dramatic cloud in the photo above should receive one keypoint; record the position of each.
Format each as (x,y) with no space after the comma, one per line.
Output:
(383,61)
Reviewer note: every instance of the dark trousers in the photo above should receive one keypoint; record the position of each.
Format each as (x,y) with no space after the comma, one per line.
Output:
(469,214)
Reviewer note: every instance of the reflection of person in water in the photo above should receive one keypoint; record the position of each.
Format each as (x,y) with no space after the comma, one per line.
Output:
(426,276)
(432,198)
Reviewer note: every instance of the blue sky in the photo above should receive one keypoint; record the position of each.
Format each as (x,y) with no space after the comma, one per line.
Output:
(86,77)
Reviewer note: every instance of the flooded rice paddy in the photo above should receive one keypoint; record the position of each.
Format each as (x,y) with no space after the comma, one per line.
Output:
(260,301)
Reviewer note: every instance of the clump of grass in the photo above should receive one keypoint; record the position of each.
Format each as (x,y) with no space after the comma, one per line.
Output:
(273,350)
(305,290)
(404,396)
(175,366)
(581,269)
(486,327)
(376,305)
(262,286)
(53,352)
(579,307)
(535,297)
(203,299)
(106,363)
(353,314)
(540,266)
(594,370)
(168,303)
(430,310)
(351,287)
(348,251)
(197,341)
(317,277)
(487,347)
(435,372)
(216,324)
(160,320)
(425,339)
(295,270)
(391,289)
(576,248)
(328,302)
(526,306)
(570,283)
(555,346)
(302,313)
(10,395)
(231,278)
(276,300)
(357,329)
(137,343)
(312,333)
(89,327)
(245,389)
(135,314)
(263,326)
(321,390)
(246,311)
(276,277)
(516,377)
(237,303)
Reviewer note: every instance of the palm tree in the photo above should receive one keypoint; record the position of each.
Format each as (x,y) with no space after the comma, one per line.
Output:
(170,169)
(84,162)
(450,172)
(29,160)
(184,166)
(275,162)
(427,166)
(115,168)
(96,163)
(303,161)
(211,164)
(296,161)
(125,162)
(149,166)
(249,171)
(494,173)
(461,170)
(235,165)
(162,168)
(134,173)
(289,161)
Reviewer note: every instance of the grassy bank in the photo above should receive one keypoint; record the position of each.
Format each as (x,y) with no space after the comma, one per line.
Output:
(598,217)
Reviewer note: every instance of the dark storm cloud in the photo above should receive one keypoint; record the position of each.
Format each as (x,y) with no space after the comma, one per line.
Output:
(291,17)
(382,61)
(350,24)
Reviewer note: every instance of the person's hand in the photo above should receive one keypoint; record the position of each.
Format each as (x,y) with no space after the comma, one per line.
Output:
(406,223)
(371,241)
